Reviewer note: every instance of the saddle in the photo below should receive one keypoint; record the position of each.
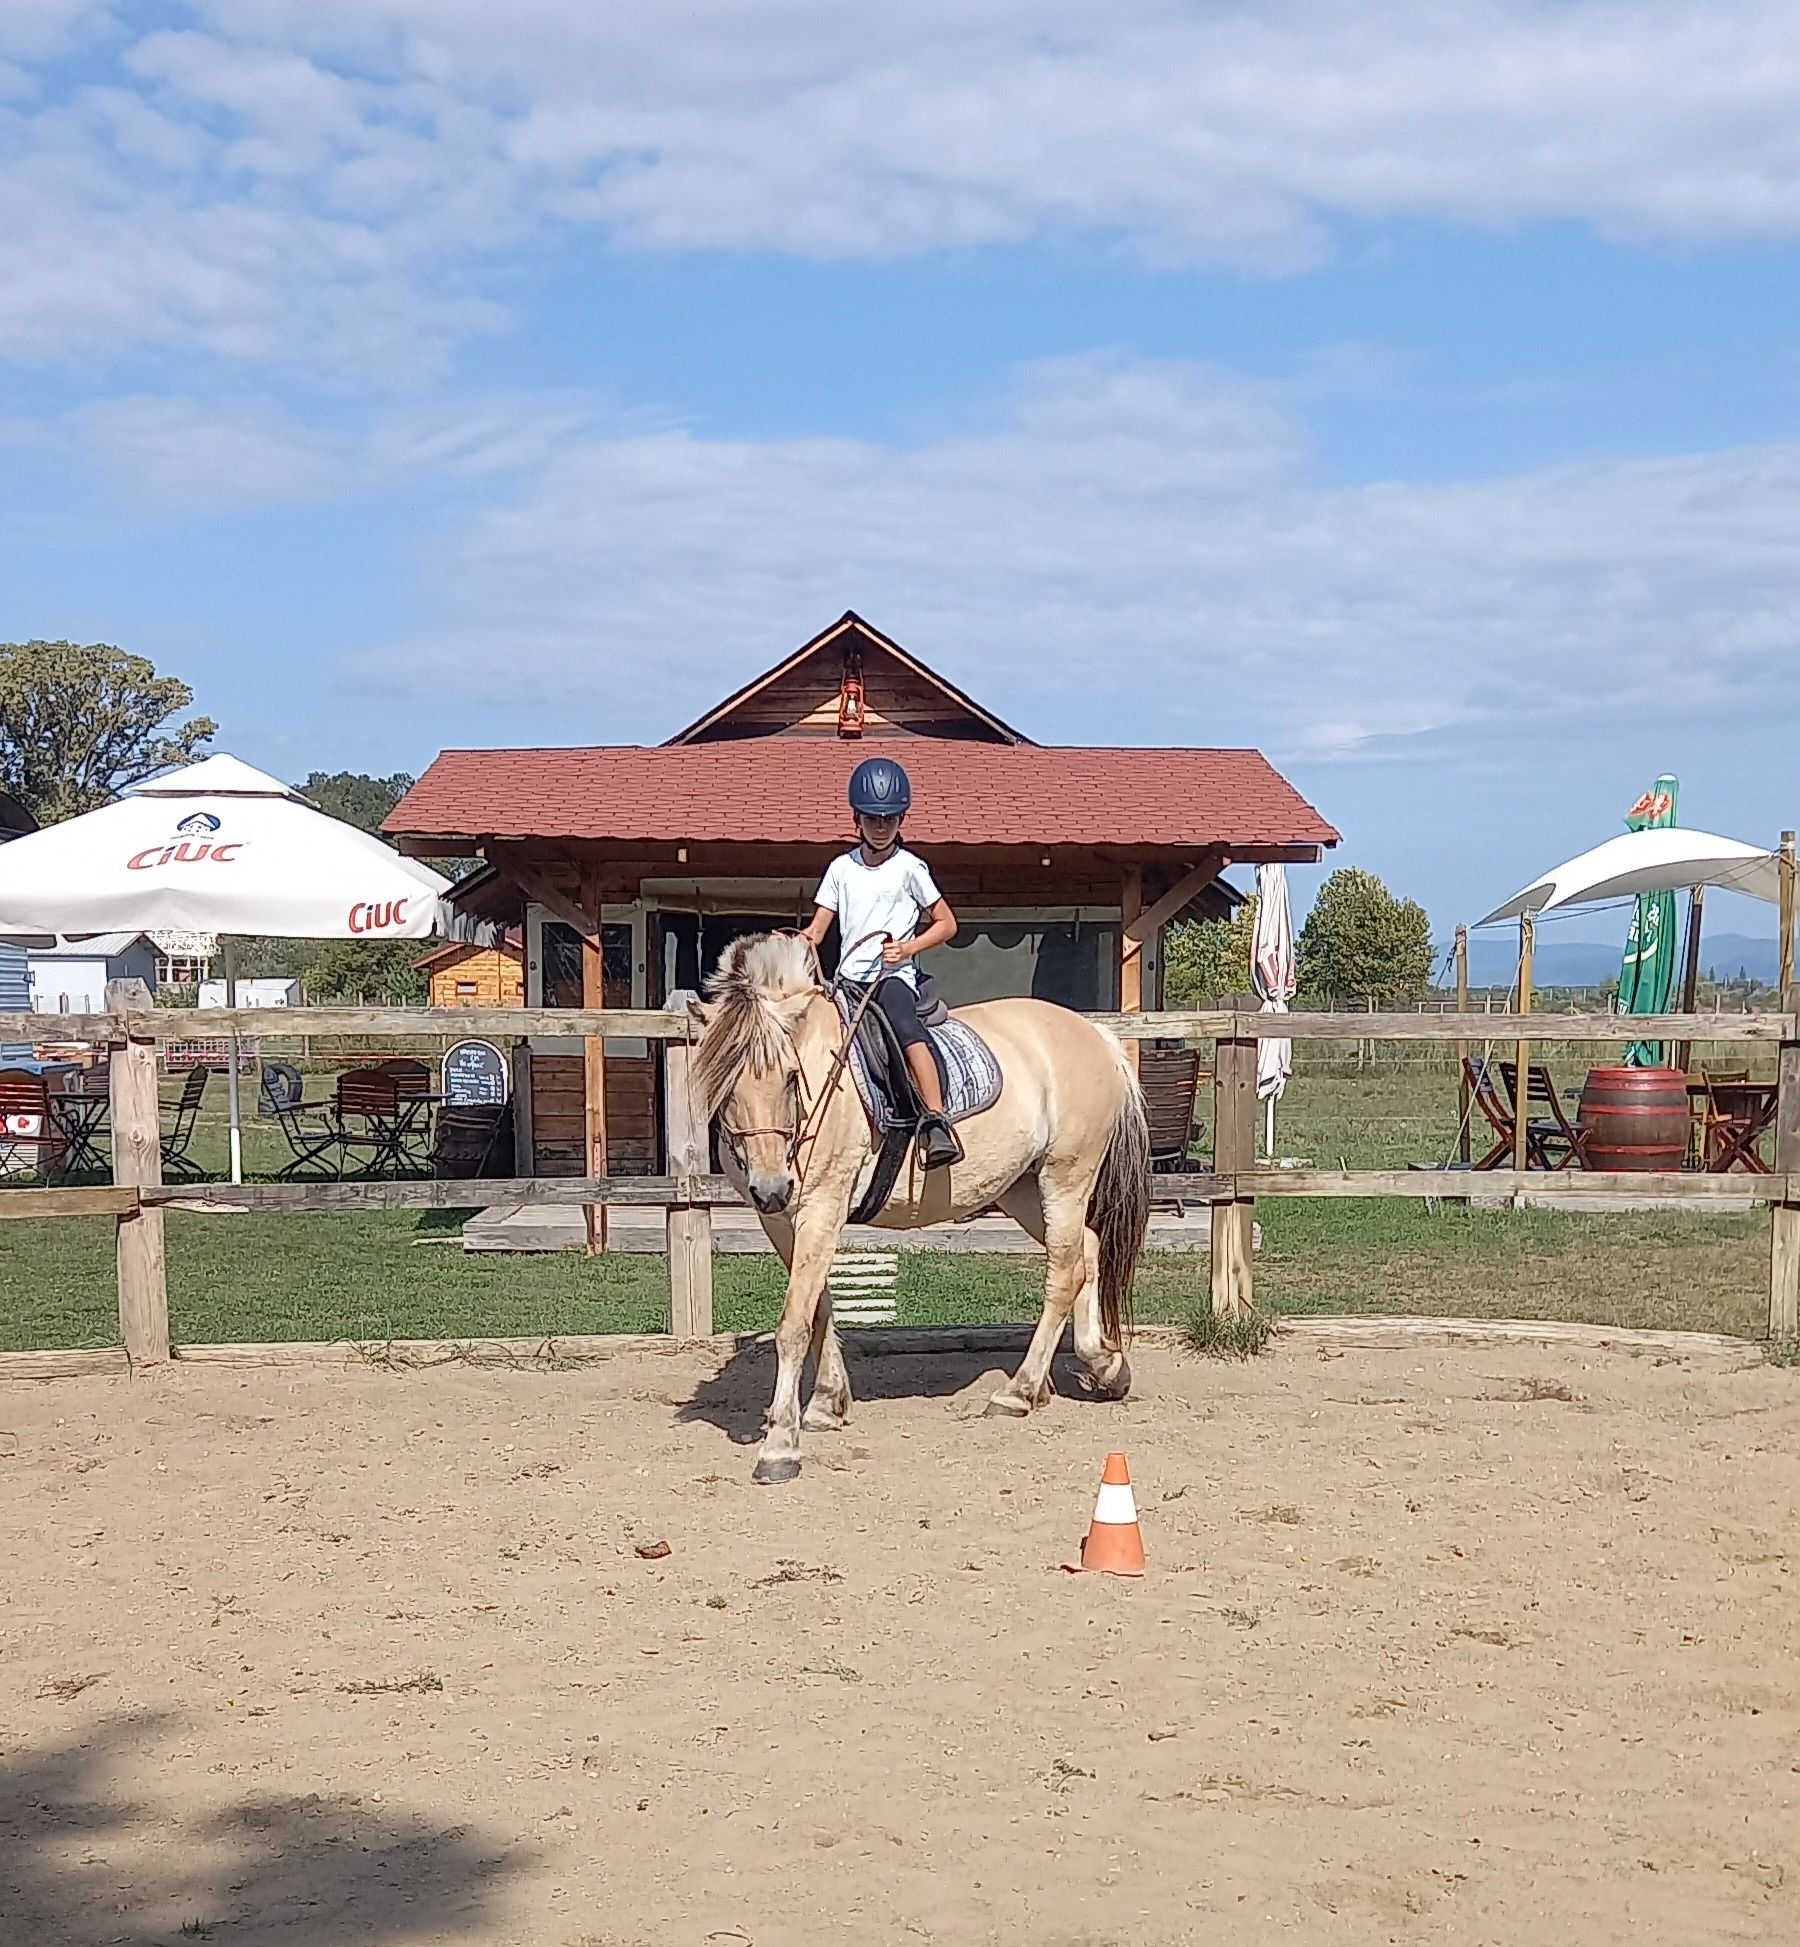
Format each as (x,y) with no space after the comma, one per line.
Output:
(966,1065)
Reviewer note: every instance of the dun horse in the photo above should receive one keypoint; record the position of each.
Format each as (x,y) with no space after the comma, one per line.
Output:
(1064,1151)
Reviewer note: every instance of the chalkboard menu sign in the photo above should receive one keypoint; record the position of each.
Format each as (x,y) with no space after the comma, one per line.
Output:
(474,1074)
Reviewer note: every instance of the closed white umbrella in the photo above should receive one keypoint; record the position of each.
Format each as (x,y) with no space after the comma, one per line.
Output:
(216,848)
(1273,970)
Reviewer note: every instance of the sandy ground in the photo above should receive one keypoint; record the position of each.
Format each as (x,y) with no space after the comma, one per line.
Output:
(1442,1644)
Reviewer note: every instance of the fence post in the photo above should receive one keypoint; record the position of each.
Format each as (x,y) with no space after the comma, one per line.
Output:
(1234,1149)
(689,1225)
(1784,1218)
(1464,1105)
(137,1162)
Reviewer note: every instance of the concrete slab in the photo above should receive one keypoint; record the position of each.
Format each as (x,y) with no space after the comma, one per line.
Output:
(563,1227)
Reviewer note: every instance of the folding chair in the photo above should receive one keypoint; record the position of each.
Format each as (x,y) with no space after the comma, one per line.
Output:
(1170,1078)
(412,1083)
(372,1097)
(177,1153)
(310,1133)
(26,1121)
(1558,1143)
(1552,1142)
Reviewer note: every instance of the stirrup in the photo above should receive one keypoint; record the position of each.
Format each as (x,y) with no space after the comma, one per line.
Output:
(938,1143)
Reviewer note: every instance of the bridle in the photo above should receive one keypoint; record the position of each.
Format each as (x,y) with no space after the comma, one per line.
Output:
(803,1132)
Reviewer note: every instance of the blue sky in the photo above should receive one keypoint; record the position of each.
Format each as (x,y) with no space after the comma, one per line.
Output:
(1408,391)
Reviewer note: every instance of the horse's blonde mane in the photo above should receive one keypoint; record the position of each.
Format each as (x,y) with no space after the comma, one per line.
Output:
(744,1025)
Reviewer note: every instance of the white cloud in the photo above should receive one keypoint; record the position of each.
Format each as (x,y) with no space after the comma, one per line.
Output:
(1131,551)
(320,180)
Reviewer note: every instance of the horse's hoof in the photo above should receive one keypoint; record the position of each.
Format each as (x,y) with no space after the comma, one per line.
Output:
(772,1473)
(998,1409)
(1115,1388)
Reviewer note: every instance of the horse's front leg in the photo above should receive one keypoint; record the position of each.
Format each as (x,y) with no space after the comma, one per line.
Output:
(829,1407)
(815,1243)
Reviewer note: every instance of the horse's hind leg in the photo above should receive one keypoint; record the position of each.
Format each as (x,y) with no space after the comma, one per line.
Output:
(1059,1223)
(829,1407)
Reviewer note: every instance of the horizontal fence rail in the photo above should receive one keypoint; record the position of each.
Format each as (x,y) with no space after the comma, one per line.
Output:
(168,1024)
(137,1199)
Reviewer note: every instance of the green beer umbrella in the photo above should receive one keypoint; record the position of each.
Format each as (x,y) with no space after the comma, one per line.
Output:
(1647,976)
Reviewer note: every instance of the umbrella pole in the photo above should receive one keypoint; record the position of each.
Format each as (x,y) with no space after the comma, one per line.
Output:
(1690,978)
(1785,975)
(231,1066)
(1522,1079)
(1462,1047)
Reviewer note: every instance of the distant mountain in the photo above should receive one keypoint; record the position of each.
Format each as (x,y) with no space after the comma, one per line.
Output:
(1494,959)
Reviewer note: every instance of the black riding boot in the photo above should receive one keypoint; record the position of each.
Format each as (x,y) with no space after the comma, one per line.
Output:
(938,1145)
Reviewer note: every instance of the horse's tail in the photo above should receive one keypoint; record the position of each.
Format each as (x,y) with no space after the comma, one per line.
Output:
(1119,1210)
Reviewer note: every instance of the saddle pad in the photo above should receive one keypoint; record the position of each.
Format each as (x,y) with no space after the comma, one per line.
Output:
(972,1078)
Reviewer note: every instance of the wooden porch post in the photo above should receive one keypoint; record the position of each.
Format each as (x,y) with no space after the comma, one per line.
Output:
(593,995)
(1784,1218)
(689,1226)
(1131,952)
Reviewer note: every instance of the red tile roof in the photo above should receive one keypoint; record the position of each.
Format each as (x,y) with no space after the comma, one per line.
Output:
(791,790)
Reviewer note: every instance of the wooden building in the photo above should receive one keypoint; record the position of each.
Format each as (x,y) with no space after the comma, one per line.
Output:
(629,868)
(462,975)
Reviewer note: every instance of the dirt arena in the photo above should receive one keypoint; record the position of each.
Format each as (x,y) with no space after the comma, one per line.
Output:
(1444,1643)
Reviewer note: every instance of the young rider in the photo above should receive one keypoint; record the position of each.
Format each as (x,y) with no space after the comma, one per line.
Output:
(879,889)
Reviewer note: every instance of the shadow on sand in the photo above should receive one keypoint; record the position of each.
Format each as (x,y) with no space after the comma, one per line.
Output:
(735,1398)
(82,1862)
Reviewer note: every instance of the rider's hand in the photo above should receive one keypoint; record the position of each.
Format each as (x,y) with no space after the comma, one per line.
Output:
(895,953)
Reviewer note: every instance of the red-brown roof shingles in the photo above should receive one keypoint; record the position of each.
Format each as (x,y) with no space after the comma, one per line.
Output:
(789,790)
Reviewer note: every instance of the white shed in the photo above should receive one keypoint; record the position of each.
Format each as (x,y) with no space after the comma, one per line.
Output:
(70,977)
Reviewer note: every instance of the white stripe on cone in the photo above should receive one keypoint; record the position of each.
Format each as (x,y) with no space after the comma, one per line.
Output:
(1115,1504)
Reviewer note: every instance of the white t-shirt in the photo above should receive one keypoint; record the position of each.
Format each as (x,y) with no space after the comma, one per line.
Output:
(886,898)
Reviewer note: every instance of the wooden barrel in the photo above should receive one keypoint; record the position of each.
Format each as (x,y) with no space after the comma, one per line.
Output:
(1635,1118)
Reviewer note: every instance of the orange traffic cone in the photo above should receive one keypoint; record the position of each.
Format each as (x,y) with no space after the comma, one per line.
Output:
(1115,1543)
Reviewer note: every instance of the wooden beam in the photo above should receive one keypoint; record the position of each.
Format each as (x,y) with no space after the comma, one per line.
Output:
(1784,1219)
(689,1231)
(103,1200)
(1234,1153)
(1196,879)
(1464,1103)
(137,1165)
(434,1193)
(593,1050)
(537,882)
(1131,949)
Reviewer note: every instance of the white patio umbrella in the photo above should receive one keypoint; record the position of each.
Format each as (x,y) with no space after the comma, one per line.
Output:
(1272,969)
(217,848)
(1664,860)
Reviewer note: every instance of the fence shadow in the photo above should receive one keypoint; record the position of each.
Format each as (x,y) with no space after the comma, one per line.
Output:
(82,1861)
(735,1398)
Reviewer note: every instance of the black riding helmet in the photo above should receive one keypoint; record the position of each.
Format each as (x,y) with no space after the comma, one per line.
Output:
(880,788)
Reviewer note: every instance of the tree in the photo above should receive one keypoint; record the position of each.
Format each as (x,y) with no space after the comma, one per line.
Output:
(345,971)
(1207,959)
(80,721)
(355,797)
(1360,943)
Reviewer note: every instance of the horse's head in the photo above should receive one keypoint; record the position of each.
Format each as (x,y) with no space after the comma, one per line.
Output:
(749,1063)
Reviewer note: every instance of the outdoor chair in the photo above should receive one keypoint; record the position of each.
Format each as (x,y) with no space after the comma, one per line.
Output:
(1552,1141)
(370,1120)
(1170,1078)
(310,1133)
(177,1144)
(1735,1113)
(81,1114)
(25,1107)
(412,1082)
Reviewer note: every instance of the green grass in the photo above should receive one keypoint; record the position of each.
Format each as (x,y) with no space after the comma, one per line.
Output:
(401,1274)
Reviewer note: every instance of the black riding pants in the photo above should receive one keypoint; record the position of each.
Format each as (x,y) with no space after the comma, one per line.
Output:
(897,1000)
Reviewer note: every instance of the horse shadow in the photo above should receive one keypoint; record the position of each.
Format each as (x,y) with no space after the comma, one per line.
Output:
(81,1860)
(735,1398)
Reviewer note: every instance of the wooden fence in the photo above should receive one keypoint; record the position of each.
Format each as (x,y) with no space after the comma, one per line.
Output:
(687,1194)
